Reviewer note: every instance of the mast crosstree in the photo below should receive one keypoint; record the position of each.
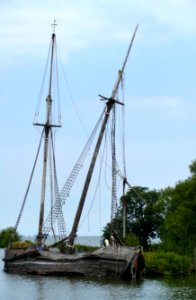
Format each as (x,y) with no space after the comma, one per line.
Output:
(60,196)
(110,104)
(47,136)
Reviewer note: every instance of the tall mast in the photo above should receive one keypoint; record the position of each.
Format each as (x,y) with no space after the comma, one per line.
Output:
(110,102)
(47,128)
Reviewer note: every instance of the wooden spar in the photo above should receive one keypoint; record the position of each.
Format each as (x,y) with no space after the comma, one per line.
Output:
(106,262)
(47,128)
(109,104)
(124,210)
(120,73)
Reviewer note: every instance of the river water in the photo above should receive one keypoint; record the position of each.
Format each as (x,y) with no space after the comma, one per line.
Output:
(18,287)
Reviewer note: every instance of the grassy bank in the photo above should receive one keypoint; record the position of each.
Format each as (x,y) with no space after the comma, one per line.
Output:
(167,263)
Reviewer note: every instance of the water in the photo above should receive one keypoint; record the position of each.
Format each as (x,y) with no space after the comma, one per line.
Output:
(19,287)
(83,240)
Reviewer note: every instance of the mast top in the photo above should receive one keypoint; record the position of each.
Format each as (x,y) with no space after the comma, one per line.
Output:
(54,26)
(120,73)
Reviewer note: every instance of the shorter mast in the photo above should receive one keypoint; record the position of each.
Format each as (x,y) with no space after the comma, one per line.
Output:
(72,235)
(109,105)
(113,133)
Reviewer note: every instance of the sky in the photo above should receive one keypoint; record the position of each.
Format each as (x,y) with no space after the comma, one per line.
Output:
(92,39)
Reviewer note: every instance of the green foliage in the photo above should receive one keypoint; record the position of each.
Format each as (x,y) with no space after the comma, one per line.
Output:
(167,263)
(192,168)
(179,227)
(143,214)
(143,217)
(22,244)
(106,234)
(77,248)
(84,248)
(168,214)
(132,240)
(7,236)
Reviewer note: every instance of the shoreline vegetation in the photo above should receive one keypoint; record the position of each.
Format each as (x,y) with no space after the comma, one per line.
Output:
(161,263)
(166,215)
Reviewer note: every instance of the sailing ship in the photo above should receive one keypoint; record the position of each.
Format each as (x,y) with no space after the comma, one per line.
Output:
(111,261)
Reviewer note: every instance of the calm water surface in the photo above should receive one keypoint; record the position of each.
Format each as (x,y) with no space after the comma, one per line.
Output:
(20,287)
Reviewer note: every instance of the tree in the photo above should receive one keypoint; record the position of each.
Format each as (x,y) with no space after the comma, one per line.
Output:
(178,230)
(169,214)
(8,235)
(143,215)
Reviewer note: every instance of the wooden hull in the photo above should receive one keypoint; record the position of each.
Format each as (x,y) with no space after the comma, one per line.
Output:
(108,262)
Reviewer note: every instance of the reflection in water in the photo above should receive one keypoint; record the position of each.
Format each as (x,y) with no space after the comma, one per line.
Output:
(40,288)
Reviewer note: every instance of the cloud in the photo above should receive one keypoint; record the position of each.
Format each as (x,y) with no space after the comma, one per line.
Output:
(24,25)
(159,121)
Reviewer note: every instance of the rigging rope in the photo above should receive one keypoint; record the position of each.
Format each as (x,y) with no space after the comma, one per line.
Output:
(29,184)
(96,188)
(64,194)
(121,111)
(113,145)
(123,127)
(107,166)
(58,94)
(72,98)
(60,218)
(42,86)
(51,190)
(129,185)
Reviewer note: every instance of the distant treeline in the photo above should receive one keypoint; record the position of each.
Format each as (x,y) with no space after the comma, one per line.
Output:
(168,214)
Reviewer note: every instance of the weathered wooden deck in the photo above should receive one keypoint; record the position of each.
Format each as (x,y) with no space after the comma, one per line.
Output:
(106,262)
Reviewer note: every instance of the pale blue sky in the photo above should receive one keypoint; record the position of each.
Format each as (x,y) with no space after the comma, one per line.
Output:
(92,38)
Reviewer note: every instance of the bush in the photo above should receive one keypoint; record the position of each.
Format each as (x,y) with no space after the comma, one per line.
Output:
(8,236)
(77,248)
(84,248)
(22,244)
(167,263)
(132,240)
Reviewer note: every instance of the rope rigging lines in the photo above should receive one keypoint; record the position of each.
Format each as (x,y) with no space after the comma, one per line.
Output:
(56,111)
(72,98)
(58,197)
(64,194)
(113,146)
(96,188)
(37,111)
(60,218)
(29,184)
